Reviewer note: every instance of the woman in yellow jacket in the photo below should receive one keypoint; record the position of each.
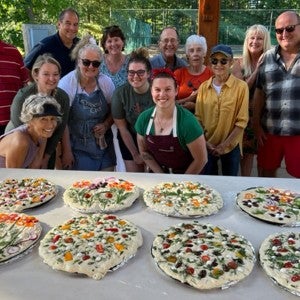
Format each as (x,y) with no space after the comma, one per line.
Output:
(222,109)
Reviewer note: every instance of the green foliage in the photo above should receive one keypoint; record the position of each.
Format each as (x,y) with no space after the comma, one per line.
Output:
(96,14)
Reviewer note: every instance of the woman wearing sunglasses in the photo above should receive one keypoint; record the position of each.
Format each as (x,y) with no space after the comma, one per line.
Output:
(222,109)
(257,42)
(90,118)
(128,101)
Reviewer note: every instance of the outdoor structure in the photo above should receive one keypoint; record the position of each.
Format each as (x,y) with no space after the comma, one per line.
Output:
(208,21)
(33,33)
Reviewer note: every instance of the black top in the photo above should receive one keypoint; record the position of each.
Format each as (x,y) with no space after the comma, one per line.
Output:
(53,45)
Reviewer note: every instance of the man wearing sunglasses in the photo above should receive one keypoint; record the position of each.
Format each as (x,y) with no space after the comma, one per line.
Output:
(276,119)
(60,44)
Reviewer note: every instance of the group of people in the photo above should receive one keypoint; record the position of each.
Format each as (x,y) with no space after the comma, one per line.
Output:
(167,114)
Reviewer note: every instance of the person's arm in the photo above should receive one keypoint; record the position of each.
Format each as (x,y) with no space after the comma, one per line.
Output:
(67,158)
(236,68)
(189,102)
(259,103)
(220,149)
(128,140)
(17,149)
(16,108)
(251,80)
(32,56)
(101,128)
(198,151)
(146,156)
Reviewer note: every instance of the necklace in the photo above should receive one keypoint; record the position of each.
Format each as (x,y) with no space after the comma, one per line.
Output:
(162,127)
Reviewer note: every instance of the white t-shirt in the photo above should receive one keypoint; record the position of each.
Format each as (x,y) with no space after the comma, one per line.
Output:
(70,85)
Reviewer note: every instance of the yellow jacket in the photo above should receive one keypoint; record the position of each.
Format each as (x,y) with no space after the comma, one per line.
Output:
(219,114)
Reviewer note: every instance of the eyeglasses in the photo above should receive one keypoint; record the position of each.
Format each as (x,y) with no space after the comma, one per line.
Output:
(167,41)
(289,28)
(139,73)
(215,61)
(87,63)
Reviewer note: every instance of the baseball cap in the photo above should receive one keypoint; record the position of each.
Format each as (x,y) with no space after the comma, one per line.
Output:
(49,110)
(224,49)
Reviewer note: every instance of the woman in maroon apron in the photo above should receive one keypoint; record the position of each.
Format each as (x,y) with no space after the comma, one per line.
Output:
(170,139)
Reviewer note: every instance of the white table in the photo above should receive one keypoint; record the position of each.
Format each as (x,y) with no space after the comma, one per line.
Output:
(29,278)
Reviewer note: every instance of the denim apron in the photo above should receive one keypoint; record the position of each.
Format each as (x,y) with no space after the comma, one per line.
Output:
(86,111)
(166,149)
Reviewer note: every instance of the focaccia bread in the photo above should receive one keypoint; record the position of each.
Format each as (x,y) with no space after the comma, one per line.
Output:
(279,256)
(272,205)
(18,233)
(90,245)
(18,195)
(183,199)
(101,195)
(203,256)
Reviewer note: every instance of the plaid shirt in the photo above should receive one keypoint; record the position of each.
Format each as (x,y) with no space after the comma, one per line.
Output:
(281,115)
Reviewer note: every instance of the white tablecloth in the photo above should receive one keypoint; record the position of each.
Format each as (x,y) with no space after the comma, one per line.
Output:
(29,278)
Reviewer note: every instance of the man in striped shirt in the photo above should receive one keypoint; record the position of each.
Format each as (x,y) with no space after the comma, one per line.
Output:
(13,76)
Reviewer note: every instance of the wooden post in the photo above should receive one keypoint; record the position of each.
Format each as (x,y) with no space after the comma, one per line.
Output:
(208,22)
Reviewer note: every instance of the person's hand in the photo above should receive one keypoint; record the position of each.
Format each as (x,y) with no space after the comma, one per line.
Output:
(138,159)
(189,105)
(259,134)
(219,149)
(67,160)
(210,147)
(100,129)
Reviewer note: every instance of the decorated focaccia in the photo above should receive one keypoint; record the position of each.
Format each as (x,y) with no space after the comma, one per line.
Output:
(279,256)
(90,245)
(272,205)
(183,199)
(101,195)
(203,255)
(18,233)
(18,195)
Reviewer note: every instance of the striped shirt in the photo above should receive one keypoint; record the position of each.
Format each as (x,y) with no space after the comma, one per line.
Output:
(13,76)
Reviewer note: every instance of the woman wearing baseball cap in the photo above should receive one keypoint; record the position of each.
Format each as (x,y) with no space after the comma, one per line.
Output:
(222,109)
(21,146)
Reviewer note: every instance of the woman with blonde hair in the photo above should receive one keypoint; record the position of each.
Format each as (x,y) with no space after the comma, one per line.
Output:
(257,42)
(90,117)
(46,74)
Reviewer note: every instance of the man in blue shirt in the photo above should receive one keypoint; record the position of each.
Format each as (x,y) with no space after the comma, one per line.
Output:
(168,45)
(60,44)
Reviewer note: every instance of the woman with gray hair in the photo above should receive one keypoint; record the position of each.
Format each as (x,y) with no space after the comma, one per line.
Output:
(189,78)
(22,146)
(90,117)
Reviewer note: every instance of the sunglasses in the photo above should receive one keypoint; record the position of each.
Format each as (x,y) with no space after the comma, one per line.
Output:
(289,28)
(139,73)
(87,63)
(215,61)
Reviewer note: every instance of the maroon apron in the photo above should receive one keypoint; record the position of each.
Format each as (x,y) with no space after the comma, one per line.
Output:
(166,149)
